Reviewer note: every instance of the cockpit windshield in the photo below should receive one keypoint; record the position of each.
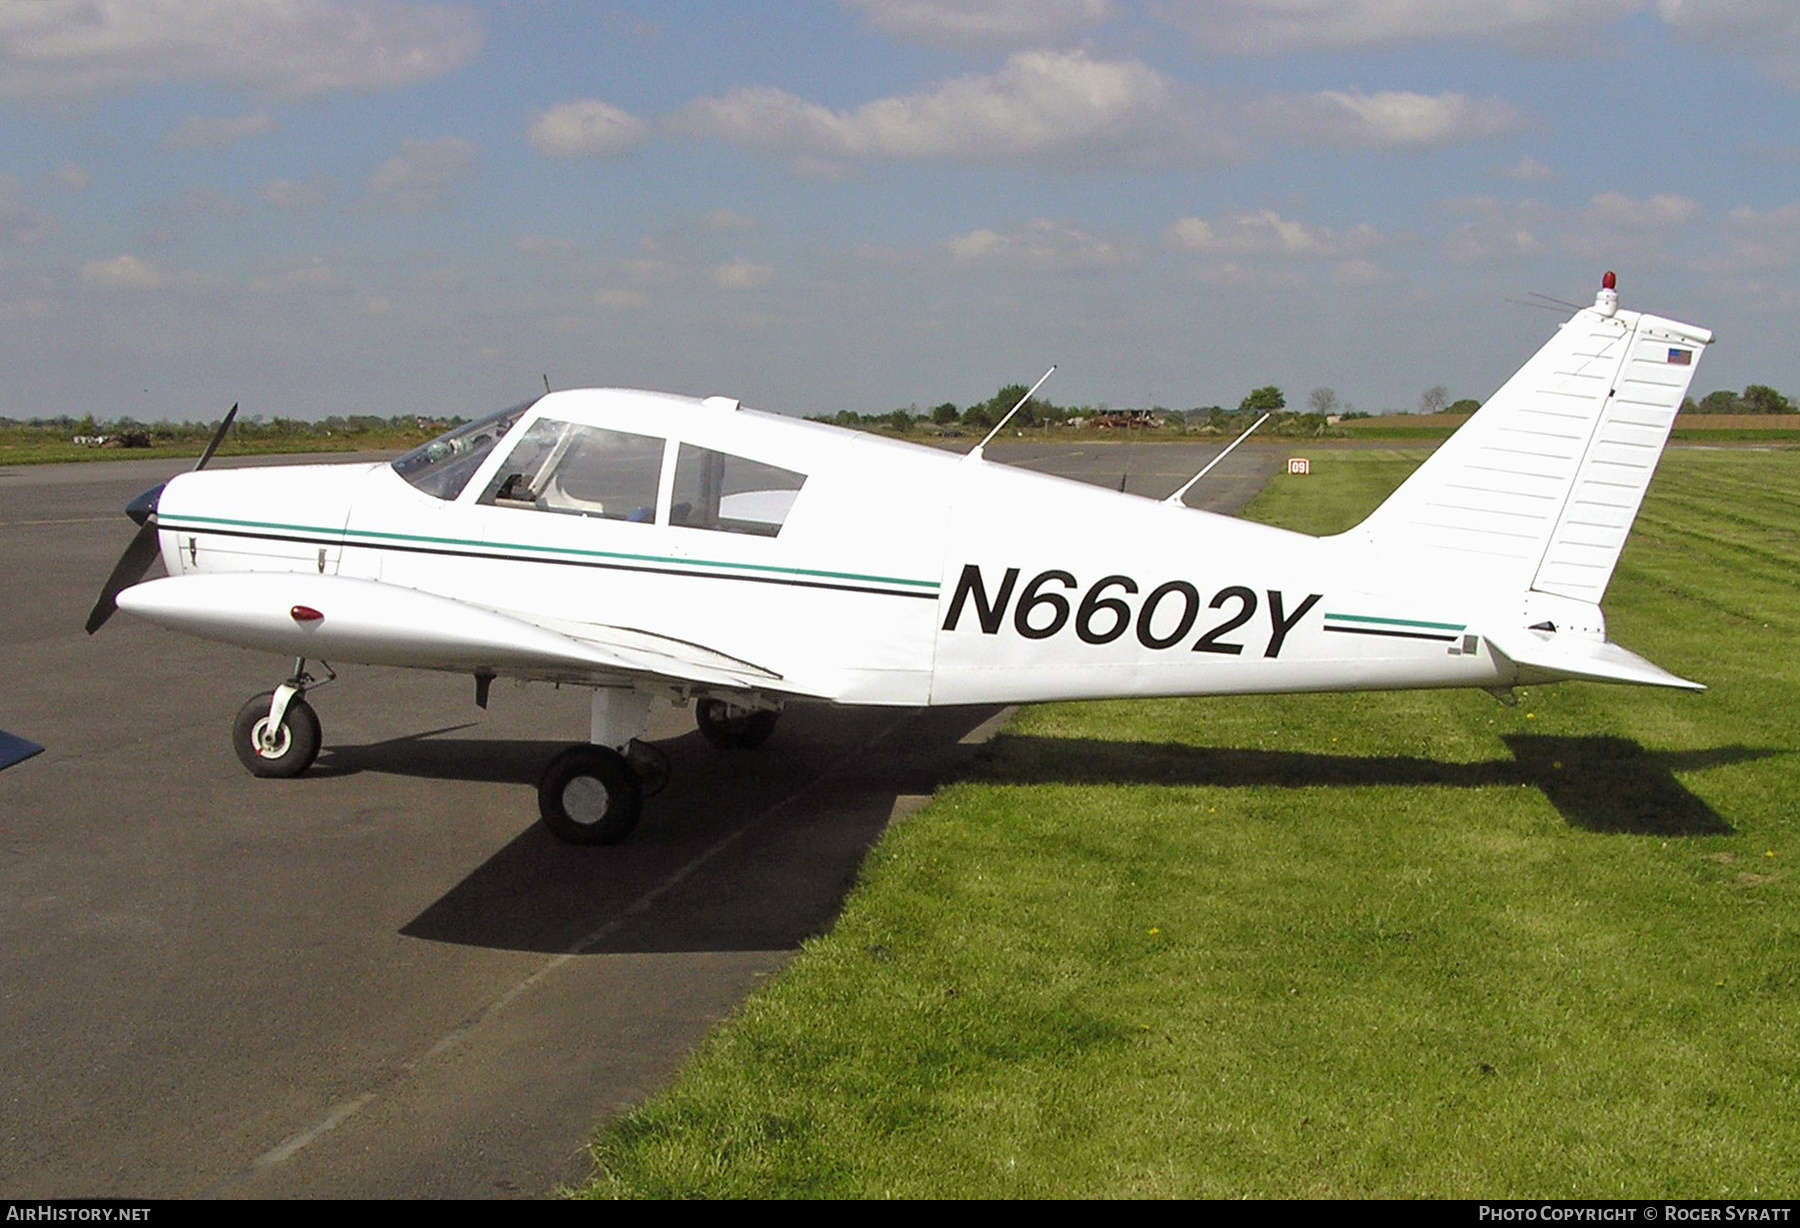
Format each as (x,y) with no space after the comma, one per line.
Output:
(445,465)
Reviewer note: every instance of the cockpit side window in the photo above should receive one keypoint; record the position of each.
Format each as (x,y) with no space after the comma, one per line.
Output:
(580,470)
(731,494)
(443,466)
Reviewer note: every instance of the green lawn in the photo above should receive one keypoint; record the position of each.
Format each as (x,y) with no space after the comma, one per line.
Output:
(1356,945)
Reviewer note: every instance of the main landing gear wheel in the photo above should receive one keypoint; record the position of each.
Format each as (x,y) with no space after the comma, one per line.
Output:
(730,727)
(288,753)
(590,795)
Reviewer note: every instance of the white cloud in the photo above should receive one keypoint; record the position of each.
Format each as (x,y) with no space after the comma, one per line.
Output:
(1358,272)
(1759,241)
(962,23)
(740,275)
(548,247)
(71,178)
(1066,108)
(277,48)
(613,299)
(1230,274)
(218,132)
(1495,231)
(1264,27)
(312,277)
(292,194)
(727,220)
(424,173)
(1526,170)
(21,310)
(1617,209)
(1040,104)
(1042,245)
(587,128)
(1611,228)
(1760,151)
(1765,32)
(18,223)
(1266,233)
(1615,229)
(1390,119)
(124,272)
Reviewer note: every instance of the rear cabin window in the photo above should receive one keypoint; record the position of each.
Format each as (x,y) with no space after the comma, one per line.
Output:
(731,494)
(580,470)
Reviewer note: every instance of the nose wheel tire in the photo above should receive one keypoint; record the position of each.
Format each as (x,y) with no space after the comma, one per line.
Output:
(293,748)
(590,795)
(730,727)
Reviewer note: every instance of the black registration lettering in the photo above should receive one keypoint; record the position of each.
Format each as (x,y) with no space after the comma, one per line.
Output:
(1033,597)
(1045,607)
(969,585)
(1246,607)
(1190,610)
(1281,626)
(1094,603)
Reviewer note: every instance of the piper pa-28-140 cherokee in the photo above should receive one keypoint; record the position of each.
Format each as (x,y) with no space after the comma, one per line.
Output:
(647,545)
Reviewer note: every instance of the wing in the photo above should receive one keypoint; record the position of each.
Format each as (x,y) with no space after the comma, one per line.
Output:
(341,619)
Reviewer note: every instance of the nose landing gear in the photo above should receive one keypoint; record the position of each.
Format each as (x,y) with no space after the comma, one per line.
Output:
(277,734)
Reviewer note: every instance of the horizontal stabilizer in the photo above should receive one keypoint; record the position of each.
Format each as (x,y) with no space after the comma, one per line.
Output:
(1569,656)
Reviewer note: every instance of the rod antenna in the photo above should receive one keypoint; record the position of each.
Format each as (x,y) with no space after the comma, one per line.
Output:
(1176,497)
(976,453)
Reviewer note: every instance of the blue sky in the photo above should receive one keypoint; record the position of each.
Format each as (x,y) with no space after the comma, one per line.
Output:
(369,206)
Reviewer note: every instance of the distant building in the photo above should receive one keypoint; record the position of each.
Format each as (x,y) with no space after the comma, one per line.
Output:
(1126,419)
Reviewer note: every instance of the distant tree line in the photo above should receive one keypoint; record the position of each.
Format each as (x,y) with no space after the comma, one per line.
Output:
(249,426)
(948,418)
(1756,399)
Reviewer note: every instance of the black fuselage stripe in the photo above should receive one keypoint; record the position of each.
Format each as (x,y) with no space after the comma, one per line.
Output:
(560,562)
(1398,635)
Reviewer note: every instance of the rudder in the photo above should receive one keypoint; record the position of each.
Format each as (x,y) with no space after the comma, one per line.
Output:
(1539,489)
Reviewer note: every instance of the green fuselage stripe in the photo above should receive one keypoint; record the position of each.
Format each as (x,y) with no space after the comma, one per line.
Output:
(1397,622)
(344,536)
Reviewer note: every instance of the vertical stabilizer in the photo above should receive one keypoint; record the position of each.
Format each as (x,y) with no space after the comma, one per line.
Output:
(1538,490)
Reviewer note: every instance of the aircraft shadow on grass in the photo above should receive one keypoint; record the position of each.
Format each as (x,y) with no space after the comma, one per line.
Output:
(1597,783)
(727,869)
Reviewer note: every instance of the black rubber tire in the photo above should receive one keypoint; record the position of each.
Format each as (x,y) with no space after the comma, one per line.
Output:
(296,748)
(590,795)
(732,728)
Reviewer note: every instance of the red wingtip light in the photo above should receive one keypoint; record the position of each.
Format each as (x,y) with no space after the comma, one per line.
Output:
(305,614)
(1610,281)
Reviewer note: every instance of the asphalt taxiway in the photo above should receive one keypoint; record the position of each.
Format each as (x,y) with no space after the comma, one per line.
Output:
(384,979)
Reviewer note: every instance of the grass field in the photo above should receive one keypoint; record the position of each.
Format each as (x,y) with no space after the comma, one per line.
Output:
(1361,945)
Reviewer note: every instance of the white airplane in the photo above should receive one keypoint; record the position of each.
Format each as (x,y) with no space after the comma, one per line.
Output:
(650,546)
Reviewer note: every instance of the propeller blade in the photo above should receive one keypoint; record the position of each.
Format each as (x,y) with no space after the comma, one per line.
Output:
(144,546)
(129,570)
(218,438)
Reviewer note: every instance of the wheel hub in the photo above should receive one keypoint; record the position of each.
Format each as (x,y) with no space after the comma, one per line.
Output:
(271,745)
(585,800)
